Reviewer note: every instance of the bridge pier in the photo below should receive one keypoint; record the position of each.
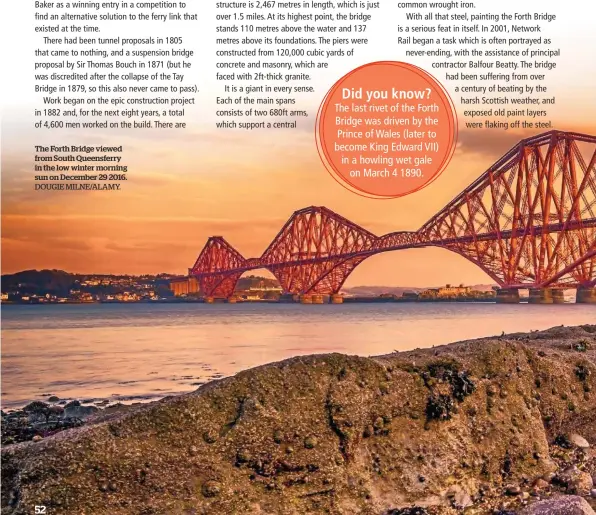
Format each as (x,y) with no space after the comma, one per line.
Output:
(336,298)
(541,296)
(507,296)
(209,300)
(586,295)
(558,296)
(312,298)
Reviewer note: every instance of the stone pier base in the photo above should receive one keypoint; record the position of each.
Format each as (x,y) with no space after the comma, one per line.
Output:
(336,299)
(505,296)
(541,296)
(586,296)
(558,296)
(312,298)
(209,300)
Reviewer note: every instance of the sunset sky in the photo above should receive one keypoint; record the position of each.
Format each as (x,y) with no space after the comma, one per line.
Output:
(187,185)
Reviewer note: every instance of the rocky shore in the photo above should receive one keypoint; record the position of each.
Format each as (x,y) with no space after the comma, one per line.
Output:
(38,419)
(502,425)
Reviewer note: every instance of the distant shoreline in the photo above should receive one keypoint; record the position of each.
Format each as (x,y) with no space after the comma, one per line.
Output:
(347,300)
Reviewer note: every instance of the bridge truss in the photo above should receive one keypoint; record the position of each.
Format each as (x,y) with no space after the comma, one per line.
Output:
(529,221)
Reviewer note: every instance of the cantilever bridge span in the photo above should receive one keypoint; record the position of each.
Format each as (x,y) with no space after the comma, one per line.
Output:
(529,221)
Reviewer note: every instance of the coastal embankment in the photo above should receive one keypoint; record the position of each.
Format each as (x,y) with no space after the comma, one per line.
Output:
(505,424)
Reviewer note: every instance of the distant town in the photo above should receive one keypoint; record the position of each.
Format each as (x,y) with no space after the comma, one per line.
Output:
(59,287)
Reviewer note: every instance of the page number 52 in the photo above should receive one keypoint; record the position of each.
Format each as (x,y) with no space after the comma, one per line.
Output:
(40,510)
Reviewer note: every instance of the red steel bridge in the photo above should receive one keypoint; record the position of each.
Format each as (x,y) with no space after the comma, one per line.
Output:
(529,221)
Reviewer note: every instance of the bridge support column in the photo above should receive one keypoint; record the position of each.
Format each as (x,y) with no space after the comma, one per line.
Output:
(232,300)
(305,299)
(541,296)
(318,299)
(586,295)
(558,296)
(209,300)
(336,298)
(507,296)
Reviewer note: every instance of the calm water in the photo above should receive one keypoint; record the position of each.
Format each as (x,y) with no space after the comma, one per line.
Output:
(139,352)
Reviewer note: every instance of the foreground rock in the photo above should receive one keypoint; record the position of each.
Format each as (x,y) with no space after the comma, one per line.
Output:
(484,425)
(571,505)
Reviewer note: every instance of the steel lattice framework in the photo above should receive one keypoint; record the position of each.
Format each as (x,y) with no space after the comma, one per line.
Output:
(529,221)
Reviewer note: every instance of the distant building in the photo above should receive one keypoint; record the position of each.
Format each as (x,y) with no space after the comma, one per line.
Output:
(453,291)
(126,297)
(184,285)
(250,296)
(264,288)
(447,291)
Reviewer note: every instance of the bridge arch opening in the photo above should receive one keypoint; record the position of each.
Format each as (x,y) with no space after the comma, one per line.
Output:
(423,267)
(258,285)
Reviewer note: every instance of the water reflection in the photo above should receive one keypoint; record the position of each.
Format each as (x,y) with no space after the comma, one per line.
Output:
(141,352)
